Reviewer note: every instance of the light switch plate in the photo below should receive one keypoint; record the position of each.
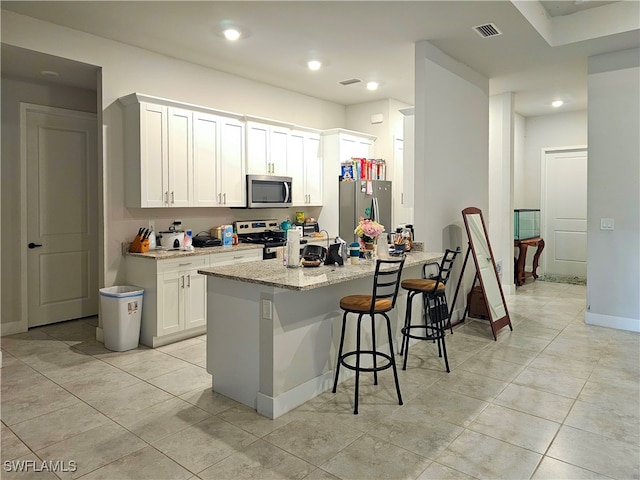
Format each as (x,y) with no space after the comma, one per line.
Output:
(606,224)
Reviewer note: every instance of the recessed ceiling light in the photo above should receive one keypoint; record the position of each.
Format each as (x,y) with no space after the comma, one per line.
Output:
(372,86)
(314,64)
(49,73)
(557,103)
(231,34)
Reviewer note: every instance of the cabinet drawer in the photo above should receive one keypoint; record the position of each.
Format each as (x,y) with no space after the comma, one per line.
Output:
(228,258)
(183,263)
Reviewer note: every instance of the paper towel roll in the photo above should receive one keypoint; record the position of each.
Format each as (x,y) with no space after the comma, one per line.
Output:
(293,248)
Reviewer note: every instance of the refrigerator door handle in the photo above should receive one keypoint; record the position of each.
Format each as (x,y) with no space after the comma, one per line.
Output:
(375,209)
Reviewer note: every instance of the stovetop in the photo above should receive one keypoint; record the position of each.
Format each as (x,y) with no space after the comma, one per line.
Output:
(265,232)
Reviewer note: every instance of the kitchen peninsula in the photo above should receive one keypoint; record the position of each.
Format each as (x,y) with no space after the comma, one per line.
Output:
(273,332)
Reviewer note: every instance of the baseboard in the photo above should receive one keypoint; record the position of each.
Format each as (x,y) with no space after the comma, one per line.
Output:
(273,407)
(609,321)
(12,328)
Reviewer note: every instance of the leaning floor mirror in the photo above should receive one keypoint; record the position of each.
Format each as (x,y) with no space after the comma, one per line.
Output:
(486,270)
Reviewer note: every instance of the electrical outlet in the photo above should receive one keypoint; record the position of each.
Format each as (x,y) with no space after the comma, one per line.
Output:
(266,309)
(152,225)
(606,224)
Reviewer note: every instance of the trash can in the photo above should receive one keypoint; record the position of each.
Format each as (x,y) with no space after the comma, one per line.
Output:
(121,308)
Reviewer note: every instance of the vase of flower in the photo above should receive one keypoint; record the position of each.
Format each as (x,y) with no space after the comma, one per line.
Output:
(368,231)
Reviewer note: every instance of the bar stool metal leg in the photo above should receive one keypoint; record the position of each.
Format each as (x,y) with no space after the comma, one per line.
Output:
(393,362)
(344,326)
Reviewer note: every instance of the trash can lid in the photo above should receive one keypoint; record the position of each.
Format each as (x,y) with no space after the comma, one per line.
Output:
(122,291)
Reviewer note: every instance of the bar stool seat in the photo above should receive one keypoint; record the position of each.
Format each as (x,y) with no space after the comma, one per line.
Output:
(380,302)
(435,309)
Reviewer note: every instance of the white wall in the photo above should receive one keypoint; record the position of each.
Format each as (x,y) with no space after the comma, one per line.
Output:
(358,118)
(613,257)
(500,214)
(13,92)
(127,69)
(546,131)
(451,149)
(519,161)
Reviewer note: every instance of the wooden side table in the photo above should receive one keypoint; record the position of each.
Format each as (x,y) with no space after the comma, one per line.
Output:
(522,246)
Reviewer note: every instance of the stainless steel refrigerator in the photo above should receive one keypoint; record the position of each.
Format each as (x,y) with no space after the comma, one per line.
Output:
(364,198)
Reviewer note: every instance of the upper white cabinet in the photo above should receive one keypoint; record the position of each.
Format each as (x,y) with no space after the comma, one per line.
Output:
(218,154)
(267,147)
(181,157)
(305,167)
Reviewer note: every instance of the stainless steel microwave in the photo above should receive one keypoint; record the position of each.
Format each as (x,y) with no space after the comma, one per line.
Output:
(268,191)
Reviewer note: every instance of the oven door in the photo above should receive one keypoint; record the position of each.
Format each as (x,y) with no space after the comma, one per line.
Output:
(268,191)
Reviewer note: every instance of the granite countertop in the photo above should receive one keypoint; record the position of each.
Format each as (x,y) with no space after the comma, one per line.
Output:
(164,254)
(272,273)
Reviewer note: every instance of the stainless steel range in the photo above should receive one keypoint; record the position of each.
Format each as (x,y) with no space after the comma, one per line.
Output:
(263,232)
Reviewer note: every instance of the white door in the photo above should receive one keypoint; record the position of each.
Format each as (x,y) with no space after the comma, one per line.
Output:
(565,213)
(313,170)
(296,167)
(180,157)
(61,215)
(205,160)
(231,163)
(195,314)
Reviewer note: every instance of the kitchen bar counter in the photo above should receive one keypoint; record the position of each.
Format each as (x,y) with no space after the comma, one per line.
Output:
(273,332)
(272,273)
(164,254)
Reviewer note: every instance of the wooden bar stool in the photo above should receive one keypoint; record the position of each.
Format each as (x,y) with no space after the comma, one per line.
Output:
(386,283)
(435,311)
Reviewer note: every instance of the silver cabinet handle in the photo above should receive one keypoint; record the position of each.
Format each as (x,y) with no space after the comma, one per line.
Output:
(184,264)
(237,257)
(166,197)
(189,281)
(182,279)
(224,196)
(219,198)
(173,198)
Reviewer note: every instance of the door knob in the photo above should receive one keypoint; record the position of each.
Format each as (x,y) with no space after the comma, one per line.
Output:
(34,245)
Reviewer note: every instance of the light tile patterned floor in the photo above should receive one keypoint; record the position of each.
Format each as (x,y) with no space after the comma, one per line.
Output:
(554,399)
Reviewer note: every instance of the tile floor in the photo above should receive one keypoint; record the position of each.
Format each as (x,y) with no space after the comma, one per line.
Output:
(554,399)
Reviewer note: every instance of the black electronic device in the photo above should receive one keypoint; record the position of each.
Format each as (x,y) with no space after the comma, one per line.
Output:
(203,240)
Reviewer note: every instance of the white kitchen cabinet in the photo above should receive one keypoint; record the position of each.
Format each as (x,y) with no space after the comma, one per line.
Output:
(179,192)
(184,300)
(305,167)
(233,257)
(218,158)
(175,294)
(267,147)
(181,155)
(158,145)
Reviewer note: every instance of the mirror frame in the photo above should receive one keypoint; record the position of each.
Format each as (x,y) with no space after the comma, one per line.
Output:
(496,323)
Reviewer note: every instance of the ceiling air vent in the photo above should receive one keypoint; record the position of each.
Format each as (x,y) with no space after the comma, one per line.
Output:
(351,81)
(487,30)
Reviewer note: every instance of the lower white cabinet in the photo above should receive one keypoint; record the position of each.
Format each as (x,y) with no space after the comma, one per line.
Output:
(175,294)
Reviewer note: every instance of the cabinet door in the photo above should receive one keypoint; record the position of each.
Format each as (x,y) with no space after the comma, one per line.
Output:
(170,314)
(154,169)
(231,177)
(313,170)
(257,149)
(180,157)
(206,142)
(279,140)
(195,299)
(296,164)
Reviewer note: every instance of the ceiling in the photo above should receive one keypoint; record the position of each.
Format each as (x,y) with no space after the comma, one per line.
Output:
(368,40)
